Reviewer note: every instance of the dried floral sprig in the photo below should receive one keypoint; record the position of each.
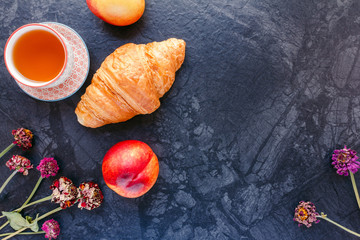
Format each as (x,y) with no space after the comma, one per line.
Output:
(47,167)
(89,195)
(18,164)
(22,137)
(20,230)
(345,161)
(51,229)
(64,192)
(305,214)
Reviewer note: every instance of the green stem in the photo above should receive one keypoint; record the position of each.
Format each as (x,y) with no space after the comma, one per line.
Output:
(33,192)
(49,213)
(25,233)
(4,225)
(7,149)
(33,203)
(14,233)
(7,181)
(38,219)
(28,205)
(29,198)
(324,216)
(355,188)
(25,206)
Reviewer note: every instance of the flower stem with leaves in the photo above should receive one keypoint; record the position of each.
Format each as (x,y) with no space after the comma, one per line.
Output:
(66,194)
(22,207)
(30,204)
(48,167)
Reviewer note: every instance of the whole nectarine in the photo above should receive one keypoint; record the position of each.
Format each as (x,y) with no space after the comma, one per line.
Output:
(130,168)
(117,12)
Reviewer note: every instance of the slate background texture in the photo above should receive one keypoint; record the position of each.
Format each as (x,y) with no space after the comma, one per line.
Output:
(268,89)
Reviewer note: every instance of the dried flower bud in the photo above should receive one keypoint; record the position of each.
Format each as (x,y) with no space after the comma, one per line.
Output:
(64,192)
(51,229)
(305,214)
(48,167)
(20,164)
(89,195)
(23,137)
(345,160)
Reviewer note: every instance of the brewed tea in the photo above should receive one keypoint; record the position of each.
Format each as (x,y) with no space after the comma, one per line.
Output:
(39,55)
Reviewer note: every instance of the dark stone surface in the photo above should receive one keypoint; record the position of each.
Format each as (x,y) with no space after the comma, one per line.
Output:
(268,89)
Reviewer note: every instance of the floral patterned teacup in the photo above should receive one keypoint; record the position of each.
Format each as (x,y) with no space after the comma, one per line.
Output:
(66,64)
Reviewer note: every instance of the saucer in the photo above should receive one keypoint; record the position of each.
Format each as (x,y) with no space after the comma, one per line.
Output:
(79,72)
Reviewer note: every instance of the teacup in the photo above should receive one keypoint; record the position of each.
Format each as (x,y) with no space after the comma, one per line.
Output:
(38,56)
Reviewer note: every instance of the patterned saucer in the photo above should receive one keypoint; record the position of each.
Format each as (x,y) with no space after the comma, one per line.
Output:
(79,73)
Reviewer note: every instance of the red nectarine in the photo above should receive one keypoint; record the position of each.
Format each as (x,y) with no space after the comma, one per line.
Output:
(130,168)
(117,12)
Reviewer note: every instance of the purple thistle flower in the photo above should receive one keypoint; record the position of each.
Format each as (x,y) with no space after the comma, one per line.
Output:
(90,195)
(23,137)
(345,160)
(64,192)
(19,163)
(305,214)
(51,229)
(48,167)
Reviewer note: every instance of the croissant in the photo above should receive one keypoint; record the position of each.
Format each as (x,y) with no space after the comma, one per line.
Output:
(130,81)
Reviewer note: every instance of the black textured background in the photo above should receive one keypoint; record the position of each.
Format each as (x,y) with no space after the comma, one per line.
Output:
(268,89)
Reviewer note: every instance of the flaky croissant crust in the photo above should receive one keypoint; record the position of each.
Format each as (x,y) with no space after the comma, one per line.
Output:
(130,81)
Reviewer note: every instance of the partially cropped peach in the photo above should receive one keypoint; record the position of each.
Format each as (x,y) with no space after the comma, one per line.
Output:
(117,12)
(130,168)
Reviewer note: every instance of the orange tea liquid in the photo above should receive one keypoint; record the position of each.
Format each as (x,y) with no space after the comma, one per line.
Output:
(39,55)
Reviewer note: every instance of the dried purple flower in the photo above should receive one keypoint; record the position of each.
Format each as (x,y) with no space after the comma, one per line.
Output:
(22,137)
(90,195)
(51,229)
(345,160)
(64,192)
(48,167)
(305,214)
(19,163)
